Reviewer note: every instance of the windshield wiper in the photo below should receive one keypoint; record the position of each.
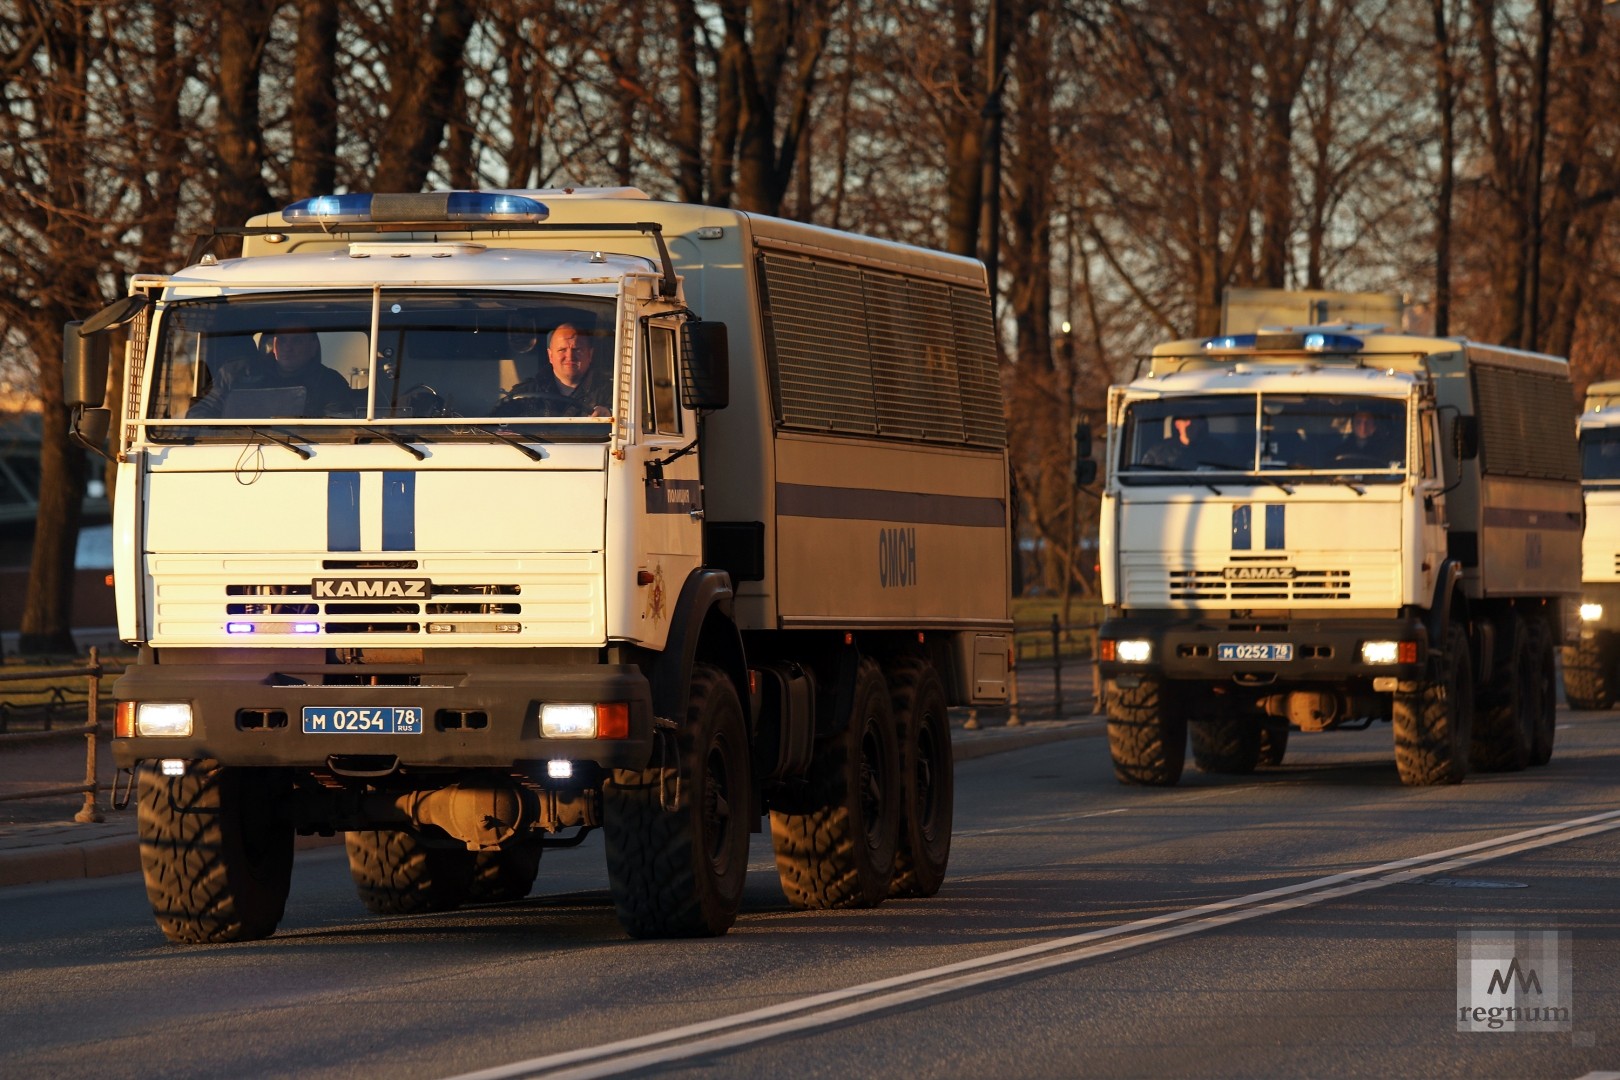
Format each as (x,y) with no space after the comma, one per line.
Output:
(1351,484)
(279,441)
(512,440)
(403,444)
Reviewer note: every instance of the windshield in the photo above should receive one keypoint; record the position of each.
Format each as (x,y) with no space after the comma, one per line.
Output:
(1302,436)
(1600,454)
(438,353)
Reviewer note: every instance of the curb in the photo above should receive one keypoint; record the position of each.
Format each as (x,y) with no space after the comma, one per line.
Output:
(106,856)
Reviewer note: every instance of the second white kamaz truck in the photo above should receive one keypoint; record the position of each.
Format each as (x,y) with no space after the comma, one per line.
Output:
(1592,657)
(1319,528)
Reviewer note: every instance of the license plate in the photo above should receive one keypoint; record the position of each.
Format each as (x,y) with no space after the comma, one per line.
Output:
(1263,652)
(371,720)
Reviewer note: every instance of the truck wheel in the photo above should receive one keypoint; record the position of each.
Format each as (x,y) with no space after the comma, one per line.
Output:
(677,837)
(396,873)
(216,858)
(501,877)
(1545,680)
(1433,724)
(1273,743)
(1589,674)
(1226,744)
(839,851)
(1502,729)
(927,778)
(1147,734)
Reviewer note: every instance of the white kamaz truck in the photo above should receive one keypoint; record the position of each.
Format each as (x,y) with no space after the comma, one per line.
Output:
(444,522)
(1592,658)
(1314,528)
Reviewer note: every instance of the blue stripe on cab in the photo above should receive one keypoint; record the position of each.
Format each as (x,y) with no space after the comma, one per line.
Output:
(343,511)
(1276,539)
(399,511)
(1242,516)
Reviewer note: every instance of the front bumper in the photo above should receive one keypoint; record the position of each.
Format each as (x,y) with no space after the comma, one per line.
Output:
(1324,650)
(474,715)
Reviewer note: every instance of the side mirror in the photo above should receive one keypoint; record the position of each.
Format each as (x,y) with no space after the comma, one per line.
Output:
(1085,473)
(84,367)
(706,365)
(1465,437)
(1085,469)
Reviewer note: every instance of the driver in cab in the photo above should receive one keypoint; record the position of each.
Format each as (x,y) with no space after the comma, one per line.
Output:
(569,384)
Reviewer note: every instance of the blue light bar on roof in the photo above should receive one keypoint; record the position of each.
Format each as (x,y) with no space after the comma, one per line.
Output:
(1316,341)
(425,208)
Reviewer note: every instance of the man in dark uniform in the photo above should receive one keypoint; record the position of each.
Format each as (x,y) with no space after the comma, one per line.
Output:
(569,385)
(290,361)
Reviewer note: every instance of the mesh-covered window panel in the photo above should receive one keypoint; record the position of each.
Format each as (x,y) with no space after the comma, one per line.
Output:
(978,368)
(817,331)
(1526,424)
(913,367)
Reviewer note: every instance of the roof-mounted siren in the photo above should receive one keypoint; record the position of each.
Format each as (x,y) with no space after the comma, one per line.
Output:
(1602,395)
(423,208)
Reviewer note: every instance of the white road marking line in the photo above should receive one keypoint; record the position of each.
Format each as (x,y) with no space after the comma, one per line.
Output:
(836,1006)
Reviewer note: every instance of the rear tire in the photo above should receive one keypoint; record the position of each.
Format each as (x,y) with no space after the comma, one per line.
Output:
(505,876)
(1503,728)
(837,848)
(1589,673)
(397,873)
(677,837)
(1147,734)
(1433,725)
(1227,743)
(1273,743)
(928,779)
(1544,678)
(216,858)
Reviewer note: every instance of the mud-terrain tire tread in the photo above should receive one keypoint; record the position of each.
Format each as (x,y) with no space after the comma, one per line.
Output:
(1226,743)
(836,848)
(677,845)
(1147,734)
(928,782)
(1432,725)
(397,873)
(1543,725)
(1503,737)
(216,860)
(1273,743)
(1589,674)
(505,876)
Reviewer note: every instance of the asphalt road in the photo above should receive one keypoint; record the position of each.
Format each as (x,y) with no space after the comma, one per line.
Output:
(1298,922)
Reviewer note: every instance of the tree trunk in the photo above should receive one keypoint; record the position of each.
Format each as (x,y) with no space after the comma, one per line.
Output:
(314,100)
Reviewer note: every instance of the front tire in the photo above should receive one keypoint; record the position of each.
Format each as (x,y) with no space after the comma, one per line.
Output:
(215,855)
(1433,725)
(677,837)
(836,849)
(1147,734)
(928,778)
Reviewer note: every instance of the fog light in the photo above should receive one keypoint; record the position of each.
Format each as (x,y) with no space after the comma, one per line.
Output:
(156,720)
(1591,612)
(1135,652)
(172,766)
(560,769)
(568,721)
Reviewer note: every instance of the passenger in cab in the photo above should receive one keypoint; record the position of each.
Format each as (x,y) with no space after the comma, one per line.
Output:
(289,361)
(1183,448)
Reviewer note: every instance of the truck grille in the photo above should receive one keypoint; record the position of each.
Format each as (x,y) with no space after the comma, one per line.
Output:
(1305,585)
(555,599)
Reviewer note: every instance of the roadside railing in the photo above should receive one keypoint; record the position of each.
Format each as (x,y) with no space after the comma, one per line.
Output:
(48,712)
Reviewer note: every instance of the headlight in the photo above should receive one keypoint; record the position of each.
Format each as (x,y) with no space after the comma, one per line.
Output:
(156,720)
(1389,652)
(1591,612)
(1135,652)
(568,721)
